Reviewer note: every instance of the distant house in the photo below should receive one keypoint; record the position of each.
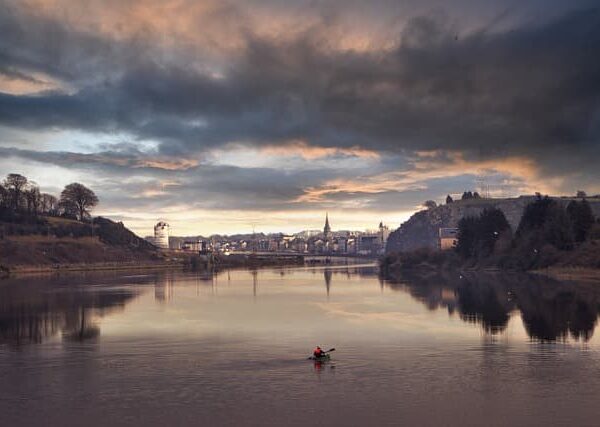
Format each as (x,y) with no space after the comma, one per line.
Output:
(448,238)
(369,244)
(191,245)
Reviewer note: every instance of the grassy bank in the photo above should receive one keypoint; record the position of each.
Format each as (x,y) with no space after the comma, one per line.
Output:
(575,274)
(584,259)
(60,268)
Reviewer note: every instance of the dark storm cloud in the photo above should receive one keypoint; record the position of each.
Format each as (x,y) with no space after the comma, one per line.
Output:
(531,90)
(32,43)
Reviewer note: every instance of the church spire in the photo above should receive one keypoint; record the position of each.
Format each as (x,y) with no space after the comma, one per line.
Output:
(327,228)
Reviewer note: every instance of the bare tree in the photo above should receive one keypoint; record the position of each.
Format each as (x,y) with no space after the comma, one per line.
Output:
(77,199)
(49,204)
(4,197)
(15,184)
(33,199)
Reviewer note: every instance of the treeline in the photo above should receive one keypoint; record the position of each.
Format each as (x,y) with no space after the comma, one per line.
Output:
(26,211)
(549,233)
(21,201)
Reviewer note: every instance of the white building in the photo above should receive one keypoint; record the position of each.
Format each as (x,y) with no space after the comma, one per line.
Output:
(384,233)
(161,235)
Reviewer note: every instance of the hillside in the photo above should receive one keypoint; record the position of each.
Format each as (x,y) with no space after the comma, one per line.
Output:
(422,229)
(58,242)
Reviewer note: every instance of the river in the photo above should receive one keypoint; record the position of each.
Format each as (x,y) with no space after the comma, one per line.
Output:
(186,348)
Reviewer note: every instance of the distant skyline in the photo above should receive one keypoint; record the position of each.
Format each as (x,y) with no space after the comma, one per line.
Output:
(221,116)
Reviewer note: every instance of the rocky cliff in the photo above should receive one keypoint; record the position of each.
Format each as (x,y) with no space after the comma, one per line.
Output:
(421,230)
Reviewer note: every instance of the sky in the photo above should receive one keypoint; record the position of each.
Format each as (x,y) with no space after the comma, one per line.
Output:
(227,116)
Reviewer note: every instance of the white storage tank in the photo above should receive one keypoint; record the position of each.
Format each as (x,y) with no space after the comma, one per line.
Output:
(161,235)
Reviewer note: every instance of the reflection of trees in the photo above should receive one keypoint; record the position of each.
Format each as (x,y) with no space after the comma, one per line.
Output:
(33,311)
(568,311)
(81,329)
(550,310)
(482,305)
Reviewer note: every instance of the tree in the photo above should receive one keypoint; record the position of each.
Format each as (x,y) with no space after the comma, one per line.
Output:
(430,204)
(491,225)
(449,199)
(49,204)
(535,214)
(546,222)
(4,197)
(77,199)
(467,236)
(582,219)
(477,236)
(15,184)
(33,199)
(558,228)
(476,195)
(581,194)
(467,195)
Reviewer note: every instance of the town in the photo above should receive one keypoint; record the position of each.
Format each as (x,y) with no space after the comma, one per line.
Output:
(317,242)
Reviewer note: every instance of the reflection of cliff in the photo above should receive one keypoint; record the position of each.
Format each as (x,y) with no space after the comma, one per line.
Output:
(550,310)
(31,312)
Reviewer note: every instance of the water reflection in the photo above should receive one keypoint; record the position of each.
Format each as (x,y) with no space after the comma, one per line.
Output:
(34,310)
(550,310)
(327,273)
(163,288)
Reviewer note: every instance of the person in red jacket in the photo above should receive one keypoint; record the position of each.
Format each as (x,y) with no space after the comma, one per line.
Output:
(317,352)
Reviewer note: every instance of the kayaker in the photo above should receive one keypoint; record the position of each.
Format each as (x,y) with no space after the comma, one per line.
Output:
(317,352)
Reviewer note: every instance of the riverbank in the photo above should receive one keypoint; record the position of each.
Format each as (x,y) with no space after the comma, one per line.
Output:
(21,270)
(181,261)
(583,261)
(571,274)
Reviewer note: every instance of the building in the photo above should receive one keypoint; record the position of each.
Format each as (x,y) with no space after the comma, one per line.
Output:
(161,235)
(341,245)
(384,233)
(192,245)
(327,229)
(369,244)
(448,238)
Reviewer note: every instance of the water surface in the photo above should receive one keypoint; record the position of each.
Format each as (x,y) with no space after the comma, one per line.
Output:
(183,348)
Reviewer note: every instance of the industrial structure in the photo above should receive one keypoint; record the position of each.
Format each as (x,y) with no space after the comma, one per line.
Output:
(161,235)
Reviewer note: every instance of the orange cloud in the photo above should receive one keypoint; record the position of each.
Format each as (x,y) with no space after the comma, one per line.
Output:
(214,26)
(25,85)
(311,152)
(523,173)
(166,163)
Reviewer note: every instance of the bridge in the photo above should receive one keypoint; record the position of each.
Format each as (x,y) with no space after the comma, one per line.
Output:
(307,257)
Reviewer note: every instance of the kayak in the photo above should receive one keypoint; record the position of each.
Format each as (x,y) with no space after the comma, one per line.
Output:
(321,358)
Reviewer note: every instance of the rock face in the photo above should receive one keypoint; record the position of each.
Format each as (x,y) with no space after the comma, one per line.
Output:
(421,230)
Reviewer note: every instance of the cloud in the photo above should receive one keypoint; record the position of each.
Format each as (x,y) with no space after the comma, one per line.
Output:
(529,91)
(352,105)
(310,152)
(134,160)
